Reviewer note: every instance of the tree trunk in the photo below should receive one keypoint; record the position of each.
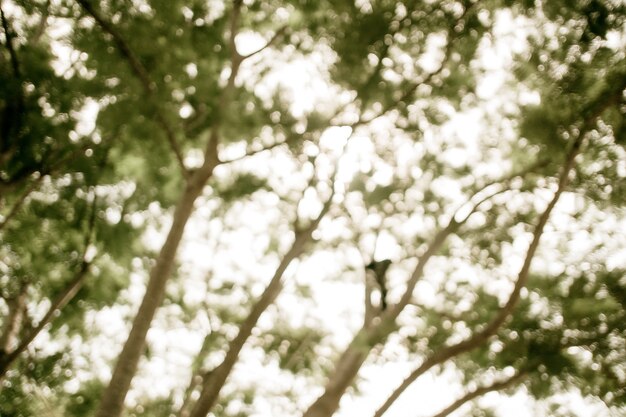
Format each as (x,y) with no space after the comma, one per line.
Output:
(112,402)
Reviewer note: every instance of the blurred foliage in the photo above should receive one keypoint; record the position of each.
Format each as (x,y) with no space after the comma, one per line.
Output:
(573,343)
(72,193)
(295,348)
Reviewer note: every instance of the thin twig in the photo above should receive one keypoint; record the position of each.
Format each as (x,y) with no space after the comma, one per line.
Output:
(43,22)
(452,225)
(452,36)
(255,152)
(269,43)
(137,67)
(44,171)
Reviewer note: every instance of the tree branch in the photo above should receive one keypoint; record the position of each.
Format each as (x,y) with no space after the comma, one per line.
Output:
(280,32)
(481,336)
(136,66)
(43,22)
(211,156)
(9,45)
(112,402)
(20,201)
(70,290)
(214,380)
(235,57)
(255,152)
(353,357)
(44,170)
(235,60)
(142,74)
(13,322)
(197,375)
(452,36)
(453,224)
(496,386)
(592,112)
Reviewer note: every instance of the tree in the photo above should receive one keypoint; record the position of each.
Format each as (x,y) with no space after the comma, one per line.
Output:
(124,123)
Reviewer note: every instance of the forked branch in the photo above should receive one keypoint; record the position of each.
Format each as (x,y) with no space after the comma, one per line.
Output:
(491,328)
(215,379)
(353,357)
(453,225)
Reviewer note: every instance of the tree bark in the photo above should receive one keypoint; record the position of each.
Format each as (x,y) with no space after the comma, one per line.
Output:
(112,402)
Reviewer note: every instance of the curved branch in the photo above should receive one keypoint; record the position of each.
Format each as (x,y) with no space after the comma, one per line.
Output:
(255,152)
(452,36)
(591,113)
(43,22)
(61,300)
(20,201)
(43,170)
(136,66)
(496,386)
(142,74)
